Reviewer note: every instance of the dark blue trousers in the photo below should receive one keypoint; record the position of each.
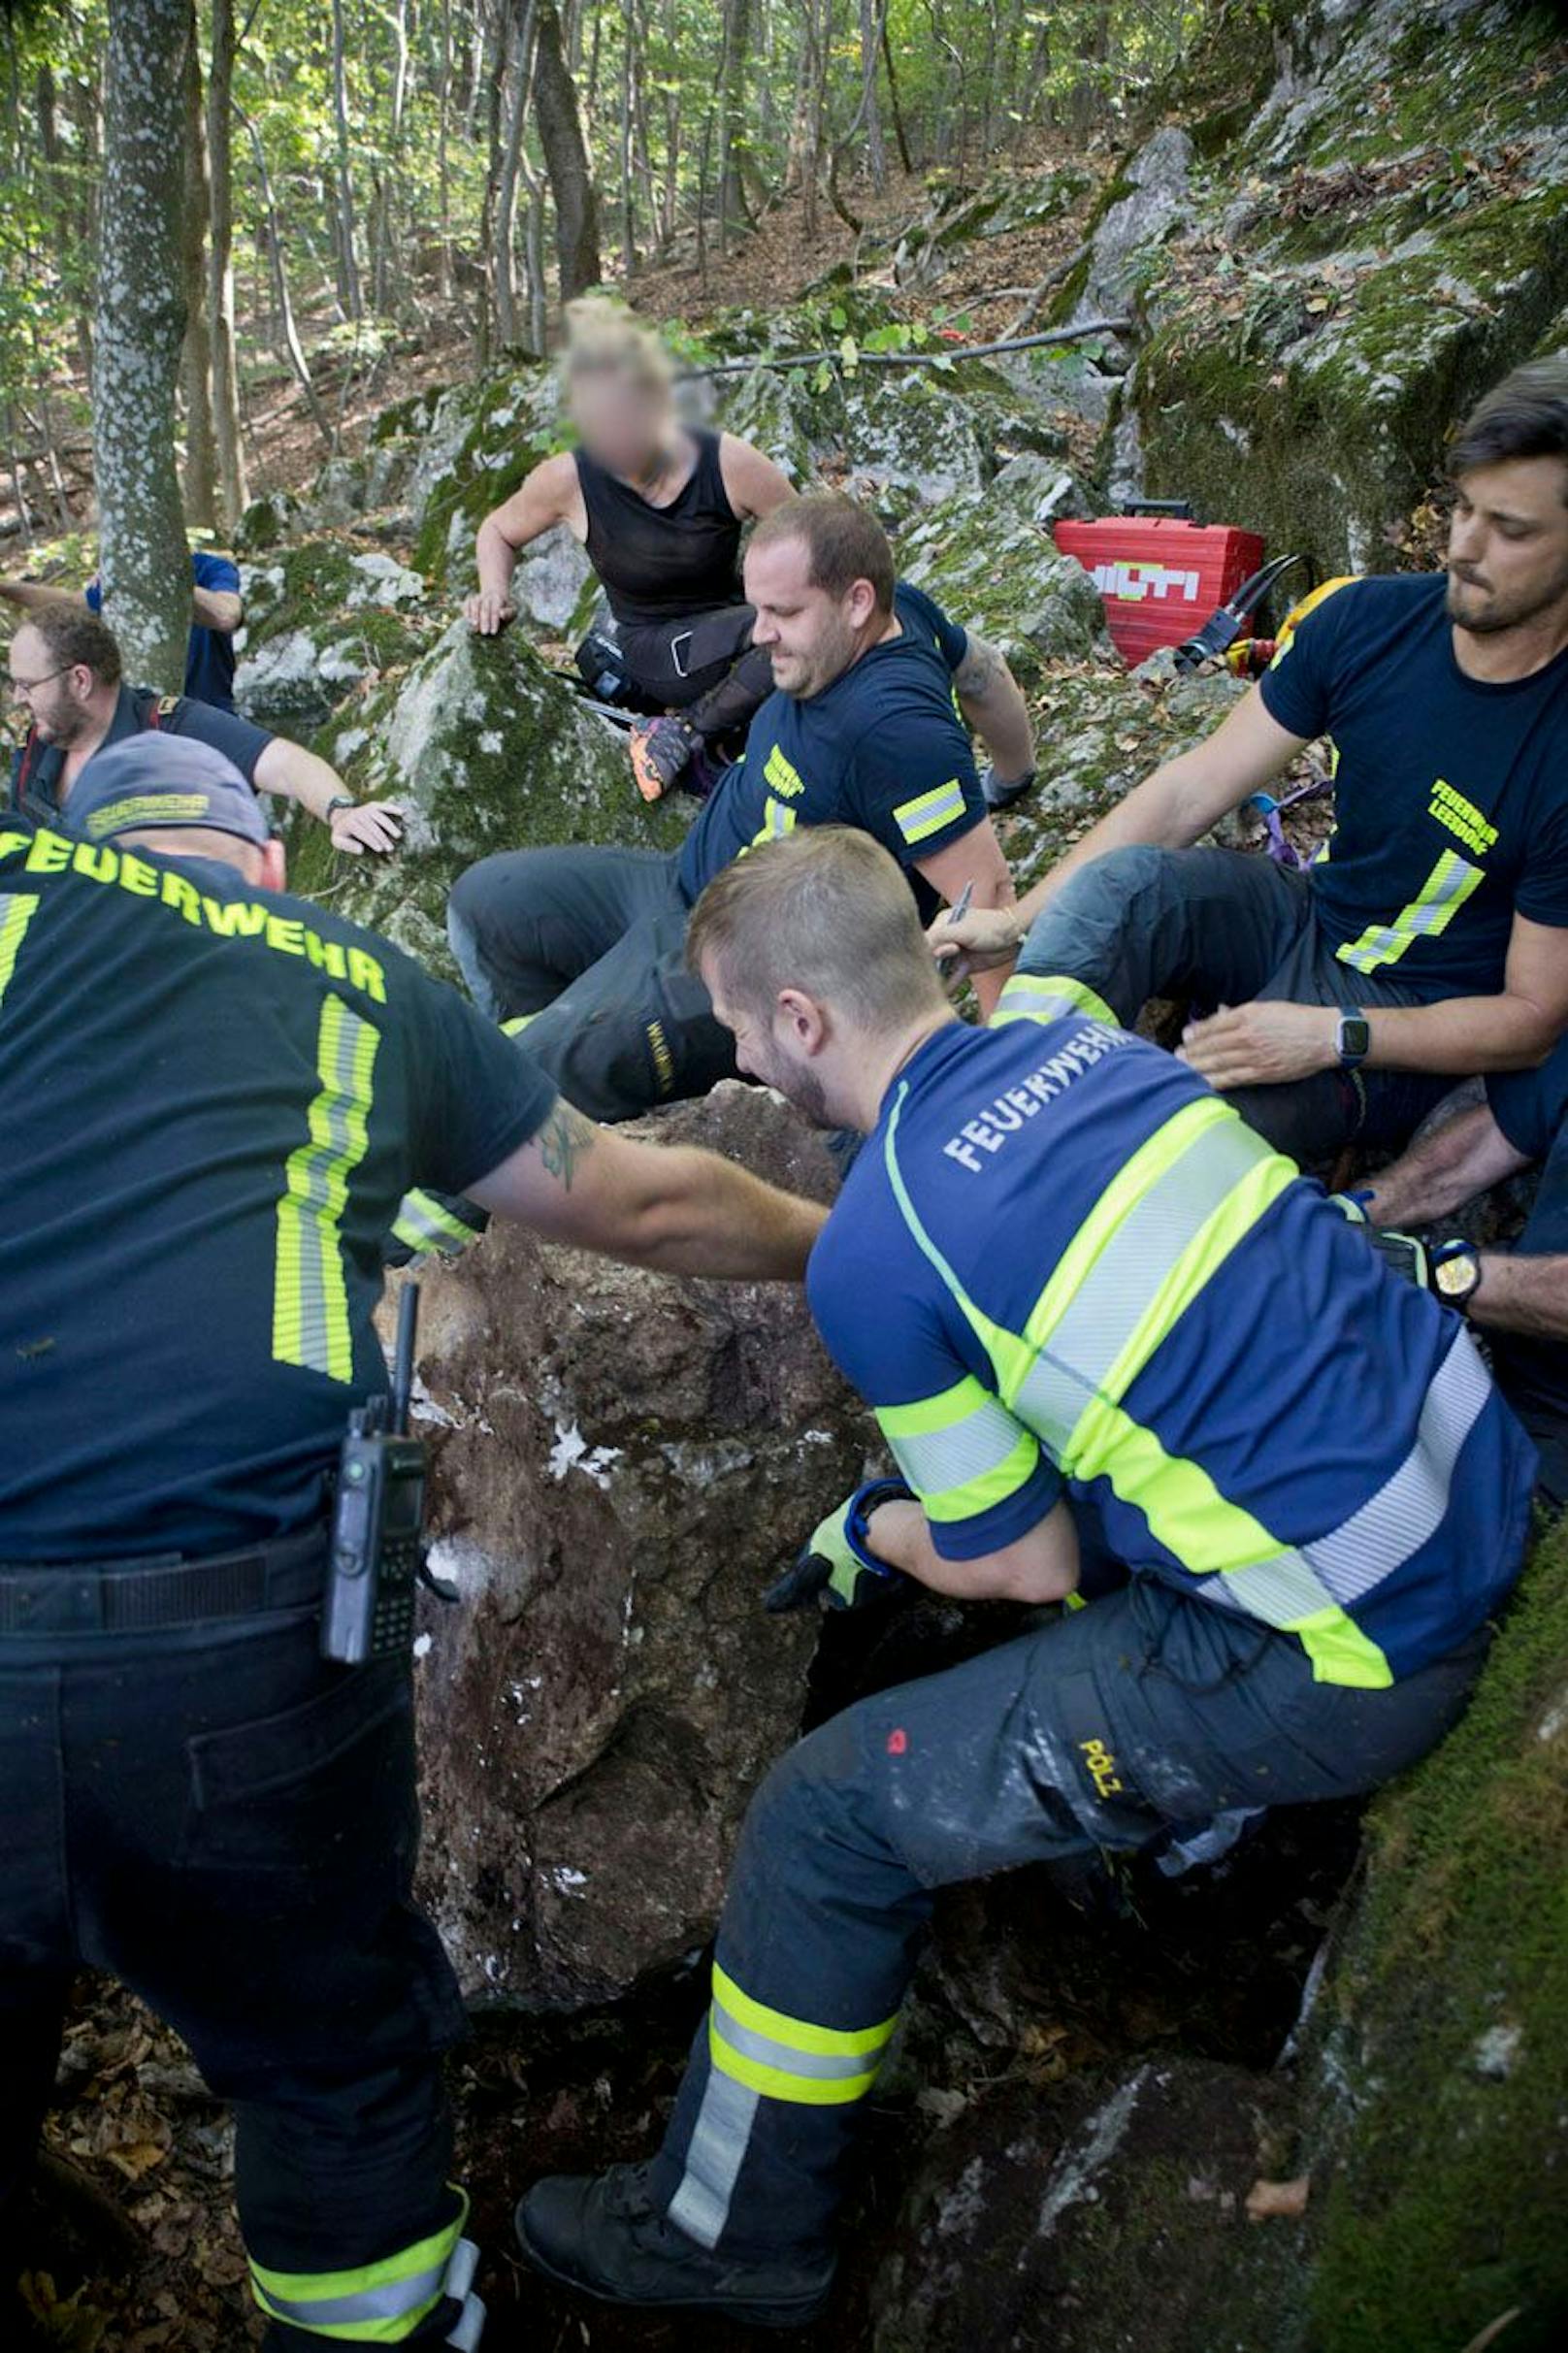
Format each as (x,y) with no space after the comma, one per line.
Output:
(1144,1713)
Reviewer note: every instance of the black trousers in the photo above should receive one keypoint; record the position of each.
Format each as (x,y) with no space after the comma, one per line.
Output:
(703,665)
(1224,926)
(592,943)
(229,1826)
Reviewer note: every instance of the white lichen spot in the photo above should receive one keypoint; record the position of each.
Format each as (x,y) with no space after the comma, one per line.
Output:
(1495,2053)
(572,1453)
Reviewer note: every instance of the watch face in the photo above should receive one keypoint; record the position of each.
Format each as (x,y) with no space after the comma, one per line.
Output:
(1354,1035)
(1456,1278)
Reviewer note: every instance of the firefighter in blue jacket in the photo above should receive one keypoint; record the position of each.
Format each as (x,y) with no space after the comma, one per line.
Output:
(212,1095)
(1100,1321)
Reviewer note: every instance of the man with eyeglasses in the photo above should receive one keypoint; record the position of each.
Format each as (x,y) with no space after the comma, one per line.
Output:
(67,680)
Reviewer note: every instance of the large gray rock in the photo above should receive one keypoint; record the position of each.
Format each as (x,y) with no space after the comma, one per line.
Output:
(327,619)
(1157,200)
(623,1461)
(484,749)
(993,566)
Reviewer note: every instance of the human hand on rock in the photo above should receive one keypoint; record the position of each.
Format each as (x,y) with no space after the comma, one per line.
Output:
(372,824)
(489,612)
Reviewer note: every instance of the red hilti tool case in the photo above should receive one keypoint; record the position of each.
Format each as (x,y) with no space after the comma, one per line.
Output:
(1160,576)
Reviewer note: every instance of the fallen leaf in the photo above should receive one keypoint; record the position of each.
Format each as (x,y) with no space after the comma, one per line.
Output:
(1273,2201)
(137,2158)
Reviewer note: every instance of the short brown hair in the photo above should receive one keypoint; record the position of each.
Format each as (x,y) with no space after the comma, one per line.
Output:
(826,910)
(845,542)
(1524,416)
(75,636)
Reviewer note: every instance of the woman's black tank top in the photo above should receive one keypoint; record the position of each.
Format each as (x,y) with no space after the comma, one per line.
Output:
(663,564)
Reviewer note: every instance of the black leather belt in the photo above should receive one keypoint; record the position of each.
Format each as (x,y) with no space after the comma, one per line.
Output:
(154,1595)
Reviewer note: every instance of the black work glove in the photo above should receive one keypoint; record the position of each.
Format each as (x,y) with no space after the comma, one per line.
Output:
(836,1562)
(1000,795)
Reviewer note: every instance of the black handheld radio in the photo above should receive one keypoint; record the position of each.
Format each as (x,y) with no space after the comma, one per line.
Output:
(377,1519)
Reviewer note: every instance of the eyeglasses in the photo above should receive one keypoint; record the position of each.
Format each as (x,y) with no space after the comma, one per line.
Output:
(23,689)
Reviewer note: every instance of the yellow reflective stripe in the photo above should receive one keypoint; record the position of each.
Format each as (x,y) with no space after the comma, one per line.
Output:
(827,2042)
(373,2303)
(1153,1159)
(930,1414)
(1050,997)
(804,2091)
(962,1451)
(927,814)
(778,820)
(983,1492)
(310,1325)
(1232,1220)
(20,909)
(1187,1514)
(1450,882)
(424,1223)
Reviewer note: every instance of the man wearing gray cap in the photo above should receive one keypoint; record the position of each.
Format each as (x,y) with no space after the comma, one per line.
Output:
(212,1095)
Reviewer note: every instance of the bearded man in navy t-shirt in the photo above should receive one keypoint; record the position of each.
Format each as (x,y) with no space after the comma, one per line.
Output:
(866,728)
(1428,940)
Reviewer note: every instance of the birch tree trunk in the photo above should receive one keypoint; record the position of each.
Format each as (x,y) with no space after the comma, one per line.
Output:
(141,321)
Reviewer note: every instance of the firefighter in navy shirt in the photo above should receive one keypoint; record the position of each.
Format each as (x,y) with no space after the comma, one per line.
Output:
(863,728)
(1099,1320)
(1429,940)
(217,611)
(66,676)
(212,1095)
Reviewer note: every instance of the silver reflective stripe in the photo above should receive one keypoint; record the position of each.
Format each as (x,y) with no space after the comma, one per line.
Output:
(1390,1528)
(469,2327)
(460,2270)
(1120,1287)
(825,2067)
(700,2207)
(1404,1515)
(1282,1591)
(969,1448)
(392,2302)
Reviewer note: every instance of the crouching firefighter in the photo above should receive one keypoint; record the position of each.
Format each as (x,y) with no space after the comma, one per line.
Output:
(212,1095)
(1100,1319)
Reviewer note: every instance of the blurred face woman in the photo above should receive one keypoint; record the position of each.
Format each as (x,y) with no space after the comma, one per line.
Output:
(618,392)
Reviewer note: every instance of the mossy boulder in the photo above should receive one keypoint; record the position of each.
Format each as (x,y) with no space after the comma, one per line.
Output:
(324,619)
(993,565)
(1436,2085)
(481,439)
(484,749)
(1385,236)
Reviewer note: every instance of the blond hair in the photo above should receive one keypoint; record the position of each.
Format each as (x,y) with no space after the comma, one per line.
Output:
(826,912)
(604,339)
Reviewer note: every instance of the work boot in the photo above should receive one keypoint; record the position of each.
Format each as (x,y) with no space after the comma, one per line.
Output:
(604,2236)
(661,750)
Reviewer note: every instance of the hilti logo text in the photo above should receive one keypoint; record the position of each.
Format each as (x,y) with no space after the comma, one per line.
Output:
(1131,584)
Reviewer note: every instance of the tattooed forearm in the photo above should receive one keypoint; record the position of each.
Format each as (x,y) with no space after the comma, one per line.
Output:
(562,1141)
(979,671)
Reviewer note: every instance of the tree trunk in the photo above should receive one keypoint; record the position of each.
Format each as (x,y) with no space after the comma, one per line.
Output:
(290,349)
(352,294)
(503,269)
(732,96)
(141,325)
(565,158)
(196,361)
(234,489)
(893,99)
(873,20)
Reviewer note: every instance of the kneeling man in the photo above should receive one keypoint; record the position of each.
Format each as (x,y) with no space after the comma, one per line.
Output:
(1097,1315)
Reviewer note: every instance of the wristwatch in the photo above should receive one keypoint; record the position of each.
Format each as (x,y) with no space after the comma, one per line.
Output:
(1353,1040)
(1456,1274)
(338,801)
